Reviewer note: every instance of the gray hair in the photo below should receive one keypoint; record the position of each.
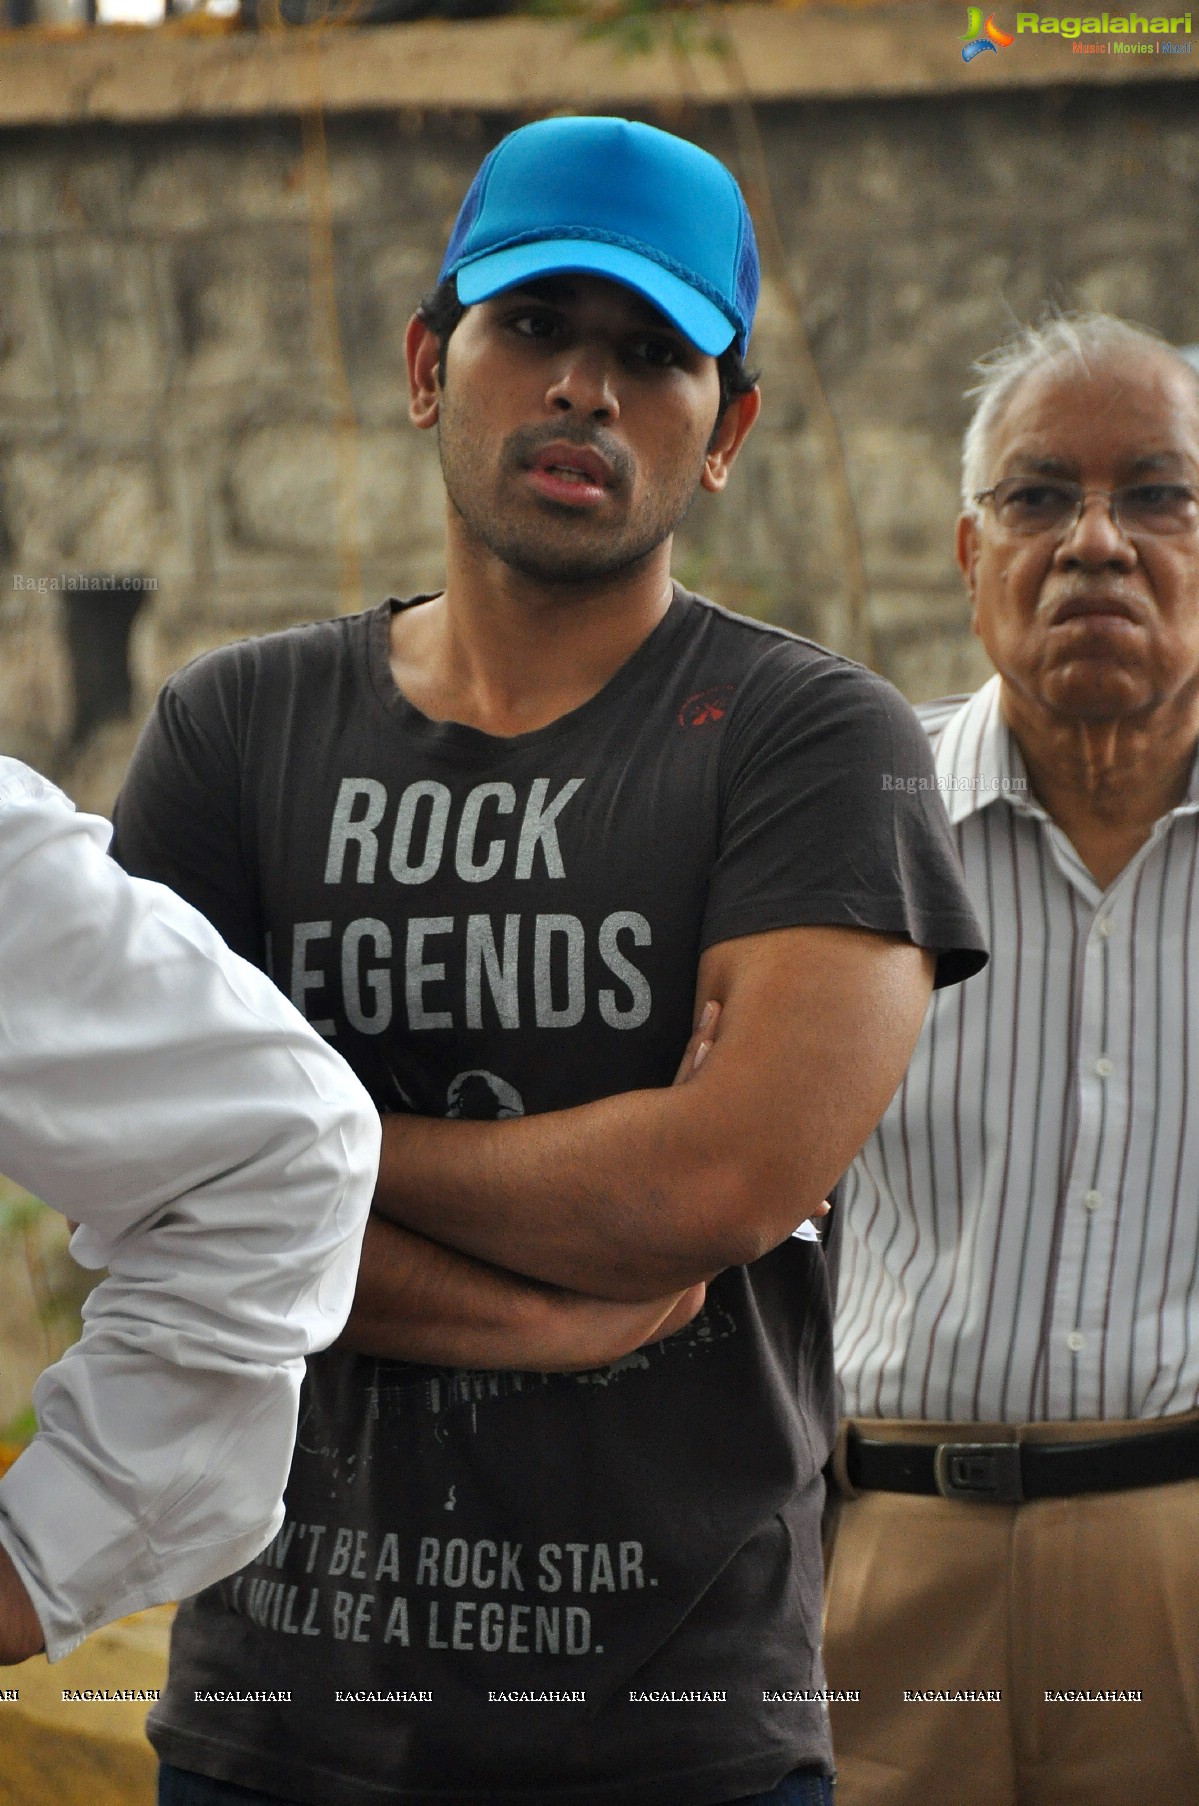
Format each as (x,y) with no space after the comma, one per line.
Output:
(1058,337)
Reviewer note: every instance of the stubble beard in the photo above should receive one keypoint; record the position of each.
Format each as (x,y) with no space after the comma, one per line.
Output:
(557,546)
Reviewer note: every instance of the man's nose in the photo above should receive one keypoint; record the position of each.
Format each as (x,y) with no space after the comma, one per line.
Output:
(585,383)
(1096,536)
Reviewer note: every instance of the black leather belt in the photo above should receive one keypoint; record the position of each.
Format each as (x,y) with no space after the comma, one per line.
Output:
(1004,1473)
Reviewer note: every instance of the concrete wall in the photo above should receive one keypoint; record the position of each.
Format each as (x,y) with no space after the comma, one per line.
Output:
(180,396)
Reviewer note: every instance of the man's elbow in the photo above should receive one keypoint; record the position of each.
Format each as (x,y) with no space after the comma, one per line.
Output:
(737,1211)
(757,1227)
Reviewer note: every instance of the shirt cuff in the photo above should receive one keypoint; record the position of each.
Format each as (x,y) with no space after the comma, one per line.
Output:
(82,1560)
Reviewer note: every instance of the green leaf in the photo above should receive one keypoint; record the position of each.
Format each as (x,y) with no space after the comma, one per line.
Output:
(22,1428)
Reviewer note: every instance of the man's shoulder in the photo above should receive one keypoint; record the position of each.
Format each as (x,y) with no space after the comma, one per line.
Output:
(771,653)
(787,690)
(307,648)
(755,638)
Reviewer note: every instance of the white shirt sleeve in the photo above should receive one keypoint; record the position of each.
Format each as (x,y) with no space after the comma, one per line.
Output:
(220,1159)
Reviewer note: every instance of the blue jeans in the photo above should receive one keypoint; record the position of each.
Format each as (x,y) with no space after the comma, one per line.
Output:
(177,1787)
(803,1788)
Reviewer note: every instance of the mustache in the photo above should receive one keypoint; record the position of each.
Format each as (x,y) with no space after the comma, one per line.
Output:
(525,445)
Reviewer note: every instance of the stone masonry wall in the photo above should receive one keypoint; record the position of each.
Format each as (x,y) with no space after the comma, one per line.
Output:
(175,402)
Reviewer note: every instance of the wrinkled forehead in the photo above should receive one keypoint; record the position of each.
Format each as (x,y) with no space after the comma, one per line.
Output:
(1123,407)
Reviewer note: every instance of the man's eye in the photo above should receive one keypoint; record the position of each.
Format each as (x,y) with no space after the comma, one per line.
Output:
(660,354)
(1159,507)
(1028,506)
(1158,495)
(1039,498)
(534,325)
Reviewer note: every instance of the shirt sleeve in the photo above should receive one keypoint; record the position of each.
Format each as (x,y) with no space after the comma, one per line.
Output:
(830,816)
(220,1159)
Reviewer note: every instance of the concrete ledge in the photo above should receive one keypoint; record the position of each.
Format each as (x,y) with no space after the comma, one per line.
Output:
(529,65)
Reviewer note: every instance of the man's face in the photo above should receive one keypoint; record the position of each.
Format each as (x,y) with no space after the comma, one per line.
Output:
(1092,624)
(575,426)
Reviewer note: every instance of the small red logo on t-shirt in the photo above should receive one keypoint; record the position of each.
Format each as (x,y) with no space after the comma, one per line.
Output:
(707,706)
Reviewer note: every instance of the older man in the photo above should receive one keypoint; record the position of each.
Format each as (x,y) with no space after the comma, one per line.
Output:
(1020,1269)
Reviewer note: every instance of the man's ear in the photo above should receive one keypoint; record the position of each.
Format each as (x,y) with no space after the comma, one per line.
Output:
(423,351)
(966,547)
(729,437)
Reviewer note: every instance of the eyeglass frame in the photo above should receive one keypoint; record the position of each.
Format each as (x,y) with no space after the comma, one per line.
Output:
(1083,495)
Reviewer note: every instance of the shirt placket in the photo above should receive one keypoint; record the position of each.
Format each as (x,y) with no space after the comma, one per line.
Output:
(1088,1200)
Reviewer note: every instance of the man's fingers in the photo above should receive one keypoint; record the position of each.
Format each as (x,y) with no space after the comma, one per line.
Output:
(700,1045)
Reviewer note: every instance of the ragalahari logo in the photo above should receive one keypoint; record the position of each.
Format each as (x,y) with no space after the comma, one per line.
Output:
(982,37)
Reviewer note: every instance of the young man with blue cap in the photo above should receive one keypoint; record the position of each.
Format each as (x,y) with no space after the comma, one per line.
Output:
(518,847)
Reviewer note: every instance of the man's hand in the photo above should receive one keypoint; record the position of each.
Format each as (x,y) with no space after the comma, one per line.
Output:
(703,1036)
(20,1632)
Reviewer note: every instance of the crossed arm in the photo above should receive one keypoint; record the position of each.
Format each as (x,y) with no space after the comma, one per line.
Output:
(540,1240)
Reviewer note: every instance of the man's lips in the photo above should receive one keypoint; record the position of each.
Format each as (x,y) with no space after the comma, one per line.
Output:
(574,460)
(570,473)
(1098,607)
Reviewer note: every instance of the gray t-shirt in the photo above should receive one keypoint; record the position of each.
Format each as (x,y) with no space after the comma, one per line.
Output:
(512,1587)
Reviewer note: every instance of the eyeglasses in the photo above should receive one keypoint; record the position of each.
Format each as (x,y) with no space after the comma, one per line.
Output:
(1042,505)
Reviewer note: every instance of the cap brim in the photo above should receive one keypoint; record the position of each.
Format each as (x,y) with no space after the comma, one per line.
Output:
(697,318)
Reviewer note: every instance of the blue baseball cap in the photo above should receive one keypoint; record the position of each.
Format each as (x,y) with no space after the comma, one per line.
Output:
(610,197)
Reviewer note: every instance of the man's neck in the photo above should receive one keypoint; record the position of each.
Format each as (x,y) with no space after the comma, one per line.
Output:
(1106,783)
(507,654)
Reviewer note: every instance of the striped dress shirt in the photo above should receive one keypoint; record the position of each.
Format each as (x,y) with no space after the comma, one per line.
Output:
(1021,1233)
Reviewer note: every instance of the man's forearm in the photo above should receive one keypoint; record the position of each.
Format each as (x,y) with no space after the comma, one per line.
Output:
(646,1192)
(418,1301)
(565,1211)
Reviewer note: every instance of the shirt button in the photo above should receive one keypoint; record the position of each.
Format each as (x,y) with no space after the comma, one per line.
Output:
(1104,1067)
(1105,926)
(1076,1341)
(1093,1199)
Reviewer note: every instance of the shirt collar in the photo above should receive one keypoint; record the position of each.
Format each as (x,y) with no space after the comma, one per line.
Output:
(978,762)
(1190,802)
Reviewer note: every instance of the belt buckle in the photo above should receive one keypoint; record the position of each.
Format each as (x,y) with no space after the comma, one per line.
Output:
(986,1472)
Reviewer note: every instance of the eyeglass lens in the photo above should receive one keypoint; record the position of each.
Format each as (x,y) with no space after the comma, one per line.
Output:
(1026,506)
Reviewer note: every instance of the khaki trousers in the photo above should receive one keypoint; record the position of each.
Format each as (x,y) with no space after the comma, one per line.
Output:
(1095,1594)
